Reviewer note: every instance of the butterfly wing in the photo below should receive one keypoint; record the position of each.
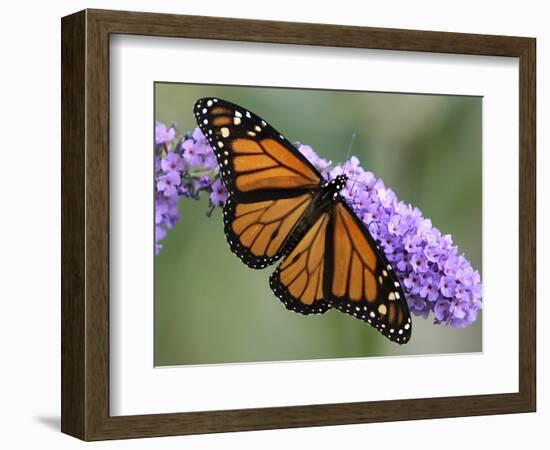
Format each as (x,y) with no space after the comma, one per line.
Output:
(298,281)
(254,158)
(258,232)
(359,280)
(270,183)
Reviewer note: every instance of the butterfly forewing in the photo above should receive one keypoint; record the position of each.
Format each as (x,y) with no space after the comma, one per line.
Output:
(360,281)
(255,160)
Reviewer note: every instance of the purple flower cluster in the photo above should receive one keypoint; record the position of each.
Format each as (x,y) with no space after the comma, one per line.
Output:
(435,278)
(185,166)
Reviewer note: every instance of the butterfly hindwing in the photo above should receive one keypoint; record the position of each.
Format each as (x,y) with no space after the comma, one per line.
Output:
(258,232)
(298,281)
(359,280)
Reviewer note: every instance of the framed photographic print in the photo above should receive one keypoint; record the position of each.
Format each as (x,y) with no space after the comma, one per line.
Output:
(271,224)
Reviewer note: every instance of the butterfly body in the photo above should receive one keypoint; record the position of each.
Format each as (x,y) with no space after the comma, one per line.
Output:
(280,207)
(322,202)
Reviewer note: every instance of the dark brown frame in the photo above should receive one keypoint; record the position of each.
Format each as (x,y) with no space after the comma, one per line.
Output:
(85,224)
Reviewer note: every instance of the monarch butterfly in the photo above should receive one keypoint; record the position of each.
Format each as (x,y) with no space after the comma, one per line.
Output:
(280,206)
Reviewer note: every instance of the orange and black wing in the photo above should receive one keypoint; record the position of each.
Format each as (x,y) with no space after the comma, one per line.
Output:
(258,232)
(298,281)
(270,183)
(255,160)
(358,279)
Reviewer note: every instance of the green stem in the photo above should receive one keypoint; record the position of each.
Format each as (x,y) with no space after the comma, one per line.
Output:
(197,173)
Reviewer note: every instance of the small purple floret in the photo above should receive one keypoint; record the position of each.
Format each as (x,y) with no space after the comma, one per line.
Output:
(163,134)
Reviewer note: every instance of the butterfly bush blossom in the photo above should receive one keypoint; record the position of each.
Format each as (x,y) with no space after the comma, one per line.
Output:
(185,166)
(434,276)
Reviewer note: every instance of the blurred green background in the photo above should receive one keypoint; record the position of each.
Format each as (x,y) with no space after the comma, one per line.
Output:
(211,308)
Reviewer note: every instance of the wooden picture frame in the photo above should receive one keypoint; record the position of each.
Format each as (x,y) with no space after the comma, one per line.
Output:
(85,224)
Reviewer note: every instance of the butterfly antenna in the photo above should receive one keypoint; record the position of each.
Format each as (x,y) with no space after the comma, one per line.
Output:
(350,146)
